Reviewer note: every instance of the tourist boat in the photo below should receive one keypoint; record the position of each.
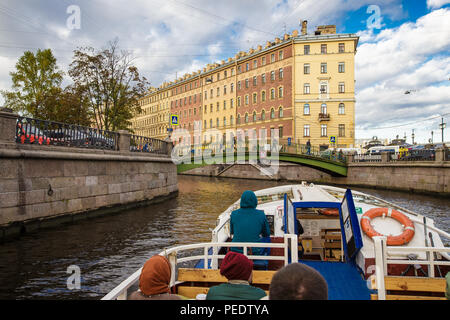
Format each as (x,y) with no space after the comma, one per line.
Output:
(365,247)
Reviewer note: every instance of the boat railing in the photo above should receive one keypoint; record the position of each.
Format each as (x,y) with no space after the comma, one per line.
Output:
(385,255)
(210,259)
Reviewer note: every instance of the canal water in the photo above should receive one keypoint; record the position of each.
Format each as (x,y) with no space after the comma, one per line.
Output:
(108,249)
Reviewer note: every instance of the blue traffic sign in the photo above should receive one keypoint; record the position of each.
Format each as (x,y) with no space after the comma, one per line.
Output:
(174,120)
(333,139)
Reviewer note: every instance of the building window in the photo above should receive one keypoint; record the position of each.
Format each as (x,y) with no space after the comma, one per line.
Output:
(263,61)
(254,116)
(323,67)
(263,115)
(225,74)
(218,106)
(224,90)
(341,108)
(246,118)
(272,57)
(232,72)
(246,99)
(255,98)
(232,87)
(254,81)
(306,132)
(341,47)
(323,130)
(342,130)
(263,96)
(323,88)
(280,73)
(210,123)
(239,85)
(306,68)
(247,66)
(306,88)
(280,112)
(231,103)
(341,67)
(238,119)
(263,78)
(206,109)
(272,113)
(323,48)
(280,92)
(255,64)
(280,132)
(323,108)
(246,83)
(224,121)
(217,122)
(306,49)
(204,123)
(272,75)
(224,104)
(238,101)
(306,110)
(239,69)
(341,87)
(280,55)
(272,94)
(231,120)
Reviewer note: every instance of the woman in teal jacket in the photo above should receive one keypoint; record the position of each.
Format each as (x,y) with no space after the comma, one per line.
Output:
(248,224)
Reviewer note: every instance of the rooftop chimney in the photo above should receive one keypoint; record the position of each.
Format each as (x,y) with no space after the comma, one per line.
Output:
(304,27)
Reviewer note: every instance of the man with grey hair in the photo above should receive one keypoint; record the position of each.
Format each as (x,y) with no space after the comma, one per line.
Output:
(298,281)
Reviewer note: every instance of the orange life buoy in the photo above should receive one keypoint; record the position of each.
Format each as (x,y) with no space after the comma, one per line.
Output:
(329,212)
(398,240)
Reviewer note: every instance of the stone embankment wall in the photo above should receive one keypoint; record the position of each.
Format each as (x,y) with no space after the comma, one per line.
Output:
(429,177)
(40,183)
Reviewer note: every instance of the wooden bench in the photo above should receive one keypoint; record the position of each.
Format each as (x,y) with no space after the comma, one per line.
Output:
(412,288)
(197,281)
(331,242)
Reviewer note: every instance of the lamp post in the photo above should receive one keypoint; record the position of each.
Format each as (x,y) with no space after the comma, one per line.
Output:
(442,127)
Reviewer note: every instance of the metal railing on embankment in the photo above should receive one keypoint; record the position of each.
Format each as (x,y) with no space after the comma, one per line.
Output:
(43,132)
(51,133)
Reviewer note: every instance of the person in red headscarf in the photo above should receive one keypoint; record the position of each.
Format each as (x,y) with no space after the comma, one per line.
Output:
(238,269)
(154,281)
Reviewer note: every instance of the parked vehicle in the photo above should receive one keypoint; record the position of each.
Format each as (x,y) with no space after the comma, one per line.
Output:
(31,135)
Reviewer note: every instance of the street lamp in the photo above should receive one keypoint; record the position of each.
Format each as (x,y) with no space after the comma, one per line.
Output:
(442,127)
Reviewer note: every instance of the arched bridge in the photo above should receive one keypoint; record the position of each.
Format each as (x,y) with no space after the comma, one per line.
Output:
(333,164)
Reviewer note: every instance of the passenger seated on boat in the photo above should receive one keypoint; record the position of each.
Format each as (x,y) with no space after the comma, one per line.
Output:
(298,281)
(238,269)
(248,224)
(154,281)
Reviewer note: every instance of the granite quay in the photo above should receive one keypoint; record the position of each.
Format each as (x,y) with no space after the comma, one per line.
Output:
(45,184)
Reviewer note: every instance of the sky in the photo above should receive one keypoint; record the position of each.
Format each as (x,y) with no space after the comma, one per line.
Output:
(404,45)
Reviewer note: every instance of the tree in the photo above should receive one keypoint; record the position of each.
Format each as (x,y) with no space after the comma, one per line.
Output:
(68,106)
(35,82)
(111,83)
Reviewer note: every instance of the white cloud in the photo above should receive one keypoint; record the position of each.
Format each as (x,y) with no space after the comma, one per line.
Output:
(414,56)
(436,4)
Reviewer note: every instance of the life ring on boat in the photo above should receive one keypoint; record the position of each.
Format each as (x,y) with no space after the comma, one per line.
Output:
(329,212)
(398,240)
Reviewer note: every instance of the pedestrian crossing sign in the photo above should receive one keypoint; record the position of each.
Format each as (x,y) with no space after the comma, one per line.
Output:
(333,139)
(174,120)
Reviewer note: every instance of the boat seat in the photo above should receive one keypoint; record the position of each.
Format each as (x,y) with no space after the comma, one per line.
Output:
(411,288)
(195,281)
(331,242)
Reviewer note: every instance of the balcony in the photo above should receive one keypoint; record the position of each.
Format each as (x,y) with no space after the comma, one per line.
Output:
(324,117)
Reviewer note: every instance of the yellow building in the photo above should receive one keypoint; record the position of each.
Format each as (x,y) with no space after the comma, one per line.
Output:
(325,87)
(301,85)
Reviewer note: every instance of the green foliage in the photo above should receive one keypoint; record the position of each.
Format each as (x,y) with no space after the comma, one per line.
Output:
(111,83)
(36,81)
